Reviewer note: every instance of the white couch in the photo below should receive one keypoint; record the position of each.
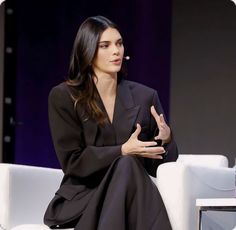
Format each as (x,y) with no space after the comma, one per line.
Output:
(25,191)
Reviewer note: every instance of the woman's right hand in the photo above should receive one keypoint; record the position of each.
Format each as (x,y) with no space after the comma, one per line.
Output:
(142,148)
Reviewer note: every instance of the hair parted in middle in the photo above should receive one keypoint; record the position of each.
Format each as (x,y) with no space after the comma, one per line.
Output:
(81,73)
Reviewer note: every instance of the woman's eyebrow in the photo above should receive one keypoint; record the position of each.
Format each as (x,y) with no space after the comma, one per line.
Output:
(120,39)
(104,42)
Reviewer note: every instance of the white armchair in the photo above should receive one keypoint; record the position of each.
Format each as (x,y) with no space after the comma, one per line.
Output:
(25,191)
(196,176)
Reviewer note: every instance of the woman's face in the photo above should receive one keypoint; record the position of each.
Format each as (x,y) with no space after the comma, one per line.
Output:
(109,54)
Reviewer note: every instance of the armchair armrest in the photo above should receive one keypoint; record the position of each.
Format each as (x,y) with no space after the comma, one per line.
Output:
(180,184)
(25,192)
(204,159)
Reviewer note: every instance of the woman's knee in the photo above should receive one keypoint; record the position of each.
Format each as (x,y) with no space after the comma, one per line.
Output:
(128,165)
(128,160)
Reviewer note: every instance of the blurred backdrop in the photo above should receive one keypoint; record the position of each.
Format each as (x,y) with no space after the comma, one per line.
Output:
(184,49)
(203,76)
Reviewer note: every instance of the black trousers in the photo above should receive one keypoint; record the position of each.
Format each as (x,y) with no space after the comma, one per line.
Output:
(126,199)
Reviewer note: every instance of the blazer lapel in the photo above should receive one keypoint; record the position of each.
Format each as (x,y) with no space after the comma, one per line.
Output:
(90,131)
(89,126)
(125,113)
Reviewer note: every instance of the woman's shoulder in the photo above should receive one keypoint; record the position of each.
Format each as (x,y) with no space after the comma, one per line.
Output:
(59,87)
(63,88)
(135,86)
(60,100)
(60,93)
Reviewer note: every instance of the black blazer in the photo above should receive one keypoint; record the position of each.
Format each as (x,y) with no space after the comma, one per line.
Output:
(83,159)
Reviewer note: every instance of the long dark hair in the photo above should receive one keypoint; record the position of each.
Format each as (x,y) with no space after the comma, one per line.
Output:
(81,74)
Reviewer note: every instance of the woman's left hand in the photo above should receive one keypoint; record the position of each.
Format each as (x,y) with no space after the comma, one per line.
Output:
(164,130)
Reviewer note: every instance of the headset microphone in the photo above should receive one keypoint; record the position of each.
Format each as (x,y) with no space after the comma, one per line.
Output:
(126,58)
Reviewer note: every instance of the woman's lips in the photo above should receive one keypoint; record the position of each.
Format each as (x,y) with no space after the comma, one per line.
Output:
(117,61)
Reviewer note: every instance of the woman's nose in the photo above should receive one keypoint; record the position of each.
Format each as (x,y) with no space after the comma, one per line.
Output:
(116,49)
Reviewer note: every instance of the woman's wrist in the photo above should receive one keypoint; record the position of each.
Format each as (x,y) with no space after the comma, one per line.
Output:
(167,141)
(123,150)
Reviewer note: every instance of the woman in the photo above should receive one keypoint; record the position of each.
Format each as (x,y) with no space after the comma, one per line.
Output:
(105,132)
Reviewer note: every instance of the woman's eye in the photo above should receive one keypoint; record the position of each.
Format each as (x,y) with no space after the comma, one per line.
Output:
(120,43)
(103,46)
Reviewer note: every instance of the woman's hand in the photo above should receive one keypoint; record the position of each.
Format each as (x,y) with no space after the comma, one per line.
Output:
(164,130)
(142,148)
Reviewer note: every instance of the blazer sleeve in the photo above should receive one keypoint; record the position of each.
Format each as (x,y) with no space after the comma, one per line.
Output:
(171,148)
(75,157)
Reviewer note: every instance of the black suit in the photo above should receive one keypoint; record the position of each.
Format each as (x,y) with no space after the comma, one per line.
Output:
(90,157)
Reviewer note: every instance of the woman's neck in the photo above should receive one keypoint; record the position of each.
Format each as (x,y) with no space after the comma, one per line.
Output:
(106,85)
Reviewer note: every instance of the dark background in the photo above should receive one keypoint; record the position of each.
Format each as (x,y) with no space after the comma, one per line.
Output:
(203,76)
(186,49)
(44,33)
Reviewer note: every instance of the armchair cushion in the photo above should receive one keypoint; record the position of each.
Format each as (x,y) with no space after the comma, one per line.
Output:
(34,227)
